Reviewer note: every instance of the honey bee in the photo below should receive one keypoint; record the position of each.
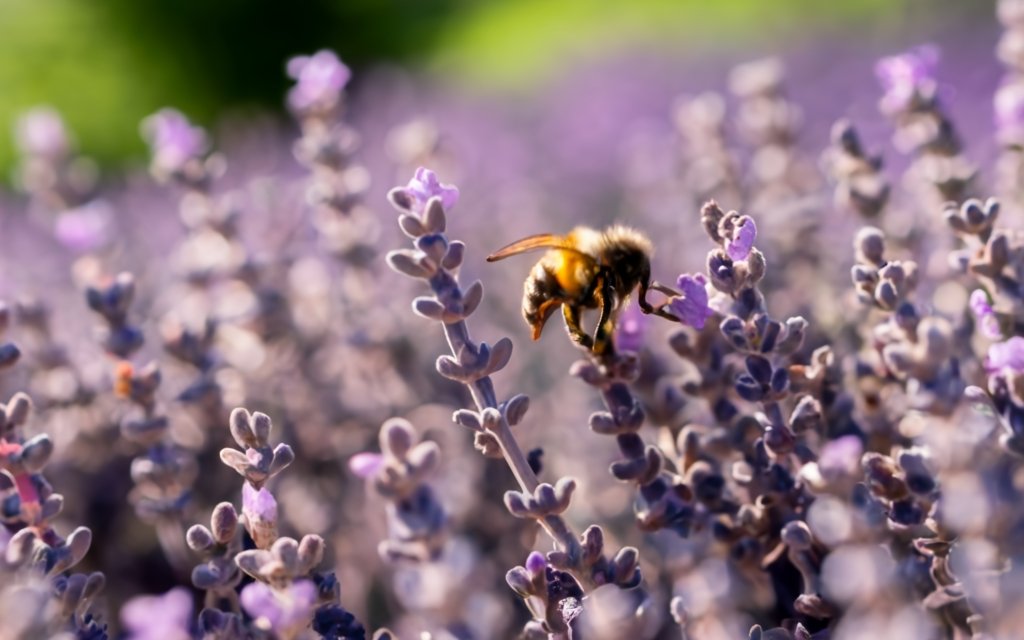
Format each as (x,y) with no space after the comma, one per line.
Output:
(584,269)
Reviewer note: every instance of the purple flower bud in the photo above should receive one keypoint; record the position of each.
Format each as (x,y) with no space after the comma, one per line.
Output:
(907,76)
(425,185)
(165,617)
(692,306)
(1006,357)
(172,139)
(41,132)
(988,323)
(536,563)
(743,235)
(319,80)
(283,611)
(260,512)
(366,464)
(631,328)
(84,228)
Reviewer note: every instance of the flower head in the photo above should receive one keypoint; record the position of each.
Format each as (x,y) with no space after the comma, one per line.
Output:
(631,328)
(173,140)
(84,228)
(165,617)
(41,132)
(424,186)
(319,80)
(907,77)
(283,611)
(1006,357)
(988,322)
(742,241)
(692,306)
(536,563)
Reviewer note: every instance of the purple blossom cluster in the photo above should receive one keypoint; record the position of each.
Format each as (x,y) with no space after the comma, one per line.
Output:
(279,414)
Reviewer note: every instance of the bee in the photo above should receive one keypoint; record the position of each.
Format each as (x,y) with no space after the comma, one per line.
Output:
(584,269)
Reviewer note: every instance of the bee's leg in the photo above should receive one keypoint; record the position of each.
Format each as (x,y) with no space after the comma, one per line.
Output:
(605,326)
(571,313)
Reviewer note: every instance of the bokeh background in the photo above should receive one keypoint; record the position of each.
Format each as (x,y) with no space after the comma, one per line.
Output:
(106,64)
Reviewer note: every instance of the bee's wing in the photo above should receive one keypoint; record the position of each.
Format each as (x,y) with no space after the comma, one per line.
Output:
(529,243)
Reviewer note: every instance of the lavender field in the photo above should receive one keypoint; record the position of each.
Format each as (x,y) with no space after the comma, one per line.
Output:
(278,385)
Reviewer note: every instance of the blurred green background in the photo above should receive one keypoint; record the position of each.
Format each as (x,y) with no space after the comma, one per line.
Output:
(105,64)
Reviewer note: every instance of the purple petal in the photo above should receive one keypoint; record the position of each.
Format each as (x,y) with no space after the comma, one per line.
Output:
(173,140)
(1006,357)
(285,610)
(366,465)
(738,247)
(906,75)
(840,456)
(259,504)
(319,81)
(84,229)
(425,185)
(692,306)
(154,617)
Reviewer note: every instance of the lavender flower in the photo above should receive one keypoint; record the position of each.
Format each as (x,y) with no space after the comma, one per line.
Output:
(319,80)
(692,306)
(986,317)
(366,465)
(1006,357)
(260,512)
(174,142)
(907,78)
(41,132)
(166,617)
(424,186)
(85,228)
(742,241)
(282,611)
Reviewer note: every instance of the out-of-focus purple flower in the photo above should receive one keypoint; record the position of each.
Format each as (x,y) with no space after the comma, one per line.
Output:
(1006,357)
(282,611)
(988,323)
(366,464)
(84,228)
(742,241)
(692,306)
(165,617)
(1009,113)
(260,512)
(907,76)
(424,186)
(173,140)
(840,457)
(319,79)
(41,132)
(631,328)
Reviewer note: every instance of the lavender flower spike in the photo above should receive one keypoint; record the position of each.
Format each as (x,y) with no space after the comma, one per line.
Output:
(319,80)
(907,78)
(692,306)
(173,140)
